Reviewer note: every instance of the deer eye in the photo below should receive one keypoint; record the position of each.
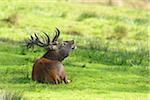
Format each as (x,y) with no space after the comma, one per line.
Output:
(64,43)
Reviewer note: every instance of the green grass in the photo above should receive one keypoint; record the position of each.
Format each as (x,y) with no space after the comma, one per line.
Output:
(111,60)
(5,95)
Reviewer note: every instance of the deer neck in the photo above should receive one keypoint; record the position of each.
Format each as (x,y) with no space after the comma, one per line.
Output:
(55,55)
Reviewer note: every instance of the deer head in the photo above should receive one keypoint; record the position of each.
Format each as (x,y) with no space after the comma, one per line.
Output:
(56,50)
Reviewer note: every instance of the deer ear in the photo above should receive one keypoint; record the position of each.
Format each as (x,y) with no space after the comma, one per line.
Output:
(72,41)
(51,48)
(54,47)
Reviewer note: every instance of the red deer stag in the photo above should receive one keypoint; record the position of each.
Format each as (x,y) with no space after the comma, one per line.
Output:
(49,68)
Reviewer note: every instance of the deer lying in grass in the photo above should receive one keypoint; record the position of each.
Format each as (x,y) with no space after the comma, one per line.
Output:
(49,68)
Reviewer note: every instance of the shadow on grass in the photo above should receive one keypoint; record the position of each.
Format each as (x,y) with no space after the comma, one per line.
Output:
(20,80)
(95,51)
(7,40)
(112,57)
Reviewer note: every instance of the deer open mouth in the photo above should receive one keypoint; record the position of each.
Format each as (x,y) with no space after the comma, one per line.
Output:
(73,47)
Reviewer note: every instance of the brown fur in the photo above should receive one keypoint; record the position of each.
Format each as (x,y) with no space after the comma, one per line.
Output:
(49,71)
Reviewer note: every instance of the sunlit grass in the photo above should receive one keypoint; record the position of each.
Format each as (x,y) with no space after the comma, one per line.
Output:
(111,60)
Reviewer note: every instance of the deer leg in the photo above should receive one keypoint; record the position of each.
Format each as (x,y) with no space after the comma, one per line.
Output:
(65,80)
(54,81)
(57,80)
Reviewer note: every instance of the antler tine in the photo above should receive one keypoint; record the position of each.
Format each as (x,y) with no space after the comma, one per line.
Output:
(30,42)
(43,39)
(58,32)
(57,35)
(31,37)
(48,39)
(37,39)
(41,43)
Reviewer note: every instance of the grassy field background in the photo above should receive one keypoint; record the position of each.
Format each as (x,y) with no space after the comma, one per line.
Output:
(111,60)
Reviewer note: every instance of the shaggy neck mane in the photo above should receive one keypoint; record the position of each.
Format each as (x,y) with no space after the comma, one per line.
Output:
(54,55)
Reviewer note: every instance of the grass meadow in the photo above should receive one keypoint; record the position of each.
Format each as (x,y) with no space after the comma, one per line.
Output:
(111,61)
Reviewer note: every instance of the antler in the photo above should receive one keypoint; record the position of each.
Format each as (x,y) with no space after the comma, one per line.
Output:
(36,41)
(46,41)
(56,35)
